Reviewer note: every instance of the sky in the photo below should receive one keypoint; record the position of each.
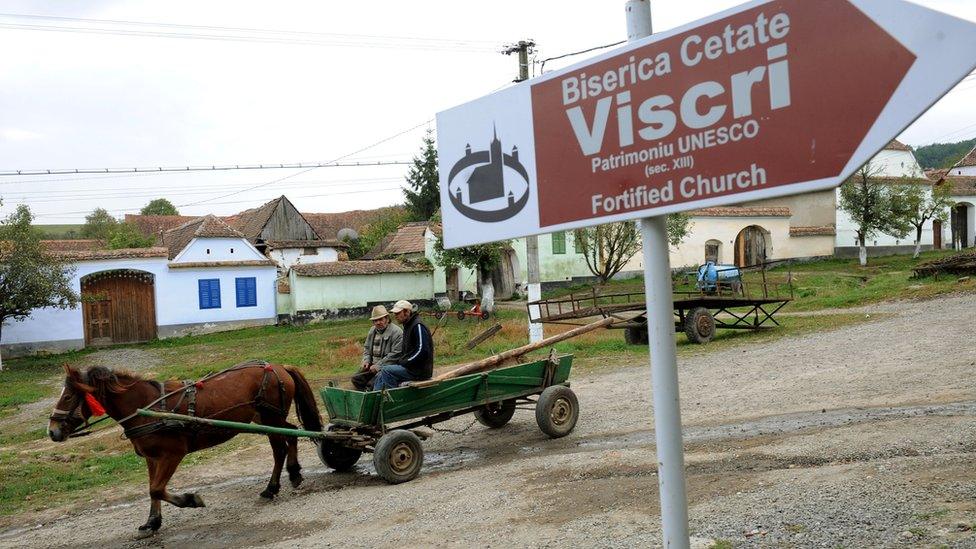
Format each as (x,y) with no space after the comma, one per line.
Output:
(115,84)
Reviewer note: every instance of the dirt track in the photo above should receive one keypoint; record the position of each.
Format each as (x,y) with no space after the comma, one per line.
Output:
(860,437)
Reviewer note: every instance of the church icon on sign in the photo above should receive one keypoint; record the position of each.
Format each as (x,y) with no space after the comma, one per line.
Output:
(491,196)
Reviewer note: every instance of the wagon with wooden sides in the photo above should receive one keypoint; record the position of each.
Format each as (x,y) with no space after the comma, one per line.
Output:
(700,307)
(389,423)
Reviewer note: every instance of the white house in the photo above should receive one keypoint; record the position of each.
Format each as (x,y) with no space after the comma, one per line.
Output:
(896,163)
(962,178)
(288,253)
(207,278)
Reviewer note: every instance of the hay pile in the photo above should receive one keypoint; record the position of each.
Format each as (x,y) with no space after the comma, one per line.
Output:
(962,264)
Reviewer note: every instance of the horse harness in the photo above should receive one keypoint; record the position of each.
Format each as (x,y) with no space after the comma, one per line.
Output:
(188,391)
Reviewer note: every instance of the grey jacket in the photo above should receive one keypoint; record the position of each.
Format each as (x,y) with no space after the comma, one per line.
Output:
(390,346)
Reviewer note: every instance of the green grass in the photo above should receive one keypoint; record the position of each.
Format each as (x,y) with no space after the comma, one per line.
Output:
(721,544)
(938,513)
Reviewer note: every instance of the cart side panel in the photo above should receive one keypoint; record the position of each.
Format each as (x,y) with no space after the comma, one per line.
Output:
(358,408)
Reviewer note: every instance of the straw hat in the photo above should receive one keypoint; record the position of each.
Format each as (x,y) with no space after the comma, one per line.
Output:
(401,305)
(379,312)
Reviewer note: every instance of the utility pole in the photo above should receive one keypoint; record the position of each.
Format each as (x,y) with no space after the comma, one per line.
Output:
(523,48)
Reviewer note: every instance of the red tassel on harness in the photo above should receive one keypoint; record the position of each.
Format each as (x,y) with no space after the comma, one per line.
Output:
(198,385)
(268,368)
(96,408)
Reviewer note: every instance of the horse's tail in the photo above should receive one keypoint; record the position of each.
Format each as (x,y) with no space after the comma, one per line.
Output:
(305,406)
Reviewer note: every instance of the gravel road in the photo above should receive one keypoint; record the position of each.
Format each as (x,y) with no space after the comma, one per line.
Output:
(860,437)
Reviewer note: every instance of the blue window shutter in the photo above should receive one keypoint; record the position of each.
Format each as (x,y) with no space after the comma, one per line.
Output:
(209,289)
(204,289)
(246,289)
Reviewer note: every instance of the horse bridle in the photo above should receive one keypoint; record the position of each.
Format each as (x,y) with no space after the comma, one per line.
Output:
(84,427)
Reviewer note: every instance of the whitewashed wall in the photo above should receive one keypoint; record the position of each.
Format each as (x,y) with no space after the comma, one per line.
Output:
(847,233)
(896,164)
(286,257)
(467,278)
(968,170)
(330,293)
(218,249)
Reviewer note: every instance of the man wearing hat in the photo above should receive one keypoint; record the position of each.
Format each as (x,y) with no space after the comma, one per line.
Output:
(382,347)
(416,362)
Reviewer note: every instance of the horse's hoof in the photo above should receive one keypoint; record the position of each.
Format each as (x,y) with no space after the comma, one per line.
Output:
(296,480)
(144,532)
(194,500)
(268,495)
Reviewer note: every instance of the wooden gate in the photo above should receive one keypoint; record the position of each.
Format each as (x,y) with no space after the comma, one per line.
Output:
(118,307)
(750,246)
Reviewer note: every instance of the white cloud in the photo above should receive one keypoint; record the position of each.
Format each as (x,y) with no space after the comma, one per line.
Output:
(17,134)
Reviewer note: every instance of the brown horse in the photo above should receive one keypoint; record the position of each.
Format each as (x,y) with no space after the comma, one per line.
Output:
(248,392)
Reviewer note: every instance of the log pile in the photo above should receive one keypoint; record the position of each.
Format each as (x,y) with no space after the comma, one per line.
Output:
(962,264)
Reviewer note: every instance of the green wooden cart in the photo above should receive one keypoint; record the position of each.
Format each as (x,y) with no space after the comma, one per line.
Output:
(387,423)
(390,423)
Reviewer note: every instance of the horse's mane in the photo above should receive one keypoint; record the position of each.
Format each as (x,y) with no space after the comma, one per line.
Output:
(105,379)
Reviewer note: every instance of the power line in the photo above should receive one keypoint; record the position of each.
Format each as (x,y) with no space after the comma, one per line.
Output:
(179,188)
(166,169)
(241,29)
(271,37)
(366,148)
(543,67)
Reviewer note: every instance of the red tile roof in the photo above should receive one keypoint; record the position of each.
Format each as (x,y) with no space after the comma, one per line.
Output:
(344,268)
(960,185)
(56,246)
(251,222)
(409,239)
(124,253)
(327,225)
(244,263)
(896,145)
(968,160)
(207,226)
(741,211)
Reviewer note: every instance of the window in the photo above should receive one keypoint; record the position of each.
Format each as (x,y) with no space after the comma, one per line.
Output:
(310,251)
(247,294)
(208,251)
(232,250)
(559,243)
(209,289)
(578,243)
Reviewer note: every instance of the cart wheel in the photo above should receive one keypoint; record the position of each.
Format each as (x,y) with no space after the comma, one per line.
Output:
(336,456)
(699,325)
(496,414)
(635,336)
(398,456)
(460,315)
(556,411)
(484,315)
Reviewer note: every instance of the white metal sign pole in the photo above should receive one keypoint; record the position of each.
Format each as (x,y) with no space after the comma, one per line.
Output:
(660,339)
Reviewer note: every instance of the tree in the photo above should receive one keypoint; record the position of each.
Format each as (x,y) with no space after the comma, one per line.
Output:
(375,232)
(607,248)
(30,278)
(127,235)
(875,206)
(482,258)
(99,224)
(923,203)
(160,206)
(424,195)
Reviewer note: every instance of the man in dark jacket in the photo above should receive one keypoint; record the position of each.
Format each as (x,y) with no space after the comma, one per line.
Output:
(417,357)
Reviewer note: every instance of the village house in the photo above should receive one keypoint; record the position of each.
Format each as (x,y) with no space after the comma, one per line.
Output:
(961,179)
(206,278)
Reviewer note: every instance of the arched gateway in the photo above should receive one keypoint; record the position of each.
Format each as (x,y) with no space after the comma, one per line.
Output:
(118,306)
